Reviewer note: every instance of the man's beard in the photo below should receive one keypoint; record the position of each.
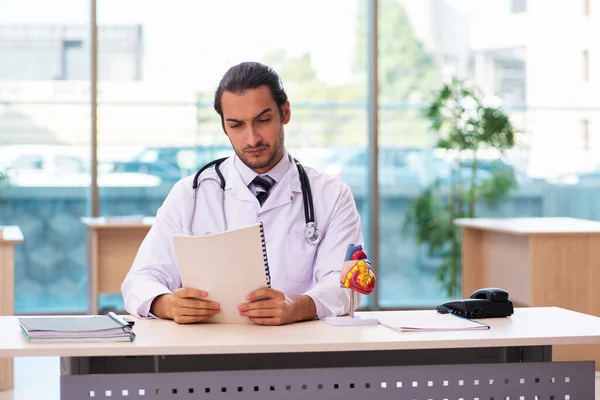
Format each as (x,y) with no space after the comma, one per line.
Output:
(274,153)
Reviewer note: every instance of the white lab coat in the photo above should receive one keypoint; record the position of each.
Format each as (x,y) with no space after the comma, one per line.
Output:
(296,266)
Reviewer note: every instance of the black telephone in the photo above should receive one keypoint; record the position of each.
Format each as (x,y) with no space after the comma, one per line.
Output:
(483,303)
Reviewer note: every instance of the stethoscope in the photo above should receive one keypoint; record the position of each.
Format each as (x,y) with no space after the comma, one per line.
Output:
(311,233)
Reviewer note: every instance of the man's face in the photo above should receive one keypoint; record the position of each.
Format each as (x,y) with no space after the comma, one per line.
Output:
(255,127)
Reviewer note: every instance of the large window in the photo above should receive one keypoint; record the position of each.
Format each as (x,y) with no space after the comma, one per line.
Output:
(532,71)
(157,122)
(159,63)
(44,145)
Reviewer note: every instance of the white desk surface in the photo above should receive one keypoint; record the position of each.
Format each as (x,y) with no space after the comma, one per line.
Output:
(526,226)
(528,326)
(118,222)
(11,234)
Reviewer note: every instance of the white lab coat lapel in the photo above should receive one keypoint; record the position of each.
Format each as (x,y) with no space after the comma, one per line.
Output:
(235,186)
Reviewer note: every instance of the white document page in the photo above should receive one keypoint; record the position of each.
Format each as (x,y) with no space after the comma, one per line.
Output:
(417,322)
(228,265)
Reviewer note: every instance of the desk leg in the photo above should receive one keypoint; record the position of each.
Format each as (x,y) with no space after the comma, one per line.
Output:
(6,374)
(472,260)
(92,264)
(536,354)
(7,300)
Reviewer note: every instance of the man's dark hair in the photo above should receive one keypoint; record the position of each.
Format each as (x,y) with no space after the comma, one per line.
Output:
(250,75)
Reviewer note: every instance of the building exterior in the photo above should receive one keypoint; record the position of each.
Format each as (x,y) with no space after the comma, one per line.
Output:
(62,52)
(540,58)
(546,53)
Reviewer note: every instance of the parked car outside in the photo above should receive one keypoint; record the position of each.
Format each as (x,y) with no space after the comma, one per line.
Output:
(187,159)
(406,167)
(165,171)
(351,165)
(62,166)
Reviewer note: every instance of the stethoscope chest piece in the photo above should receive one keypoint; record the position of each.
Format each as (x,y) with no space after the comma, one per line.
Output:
(312,234)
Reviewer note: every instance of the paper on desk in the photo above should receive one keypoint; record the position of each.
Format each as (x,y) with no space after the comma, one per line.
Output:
(228,265)
(419,322)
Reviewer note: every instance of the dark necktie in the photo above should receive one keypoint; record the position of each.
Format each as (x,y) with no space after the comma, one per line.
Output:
(263,184)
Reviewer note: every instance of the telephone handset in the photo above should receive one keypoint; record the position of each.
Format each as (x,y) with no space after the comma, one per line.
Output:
(493,294)
(483,303)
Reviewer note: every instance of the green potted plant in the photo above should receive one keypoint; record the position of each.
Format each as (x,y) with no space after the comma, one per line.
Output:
(464,125)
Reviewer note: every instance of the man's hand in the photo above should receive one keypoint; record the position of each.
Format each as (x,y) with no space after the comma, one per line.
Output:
(185,306)
(268,306)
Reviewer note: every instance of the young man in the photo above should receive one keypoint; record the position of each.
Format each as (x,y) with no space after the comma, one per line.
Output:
(262,183)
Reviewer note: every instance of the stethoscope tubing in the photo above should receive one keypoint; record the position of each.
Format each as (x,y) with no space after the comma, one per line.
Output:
(311,233)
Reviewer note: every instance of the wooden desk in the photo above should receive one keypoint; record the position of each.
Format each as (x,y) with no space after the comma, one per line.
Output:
(112,247)
(310,360)
(540,262)
(9,235)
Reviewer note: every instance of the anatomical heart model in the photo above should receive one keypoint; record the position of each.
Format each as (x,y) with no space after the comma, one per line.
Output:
(356,271)
(355,275)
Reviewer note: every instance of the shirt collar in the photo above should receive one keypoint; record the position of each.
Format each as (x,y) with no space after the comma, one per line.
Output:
(277,172)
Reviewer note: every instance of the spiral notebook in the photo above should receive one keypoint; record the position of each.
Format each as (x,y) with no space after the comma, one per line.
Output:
(227,265)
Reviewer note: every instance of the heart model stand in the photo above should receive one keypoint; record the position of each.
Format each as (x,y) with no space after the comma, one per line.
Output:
(355,276)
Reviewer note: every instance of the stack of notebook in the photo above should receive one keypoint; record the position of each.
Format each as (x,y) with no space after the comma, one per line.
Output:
(97,328)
